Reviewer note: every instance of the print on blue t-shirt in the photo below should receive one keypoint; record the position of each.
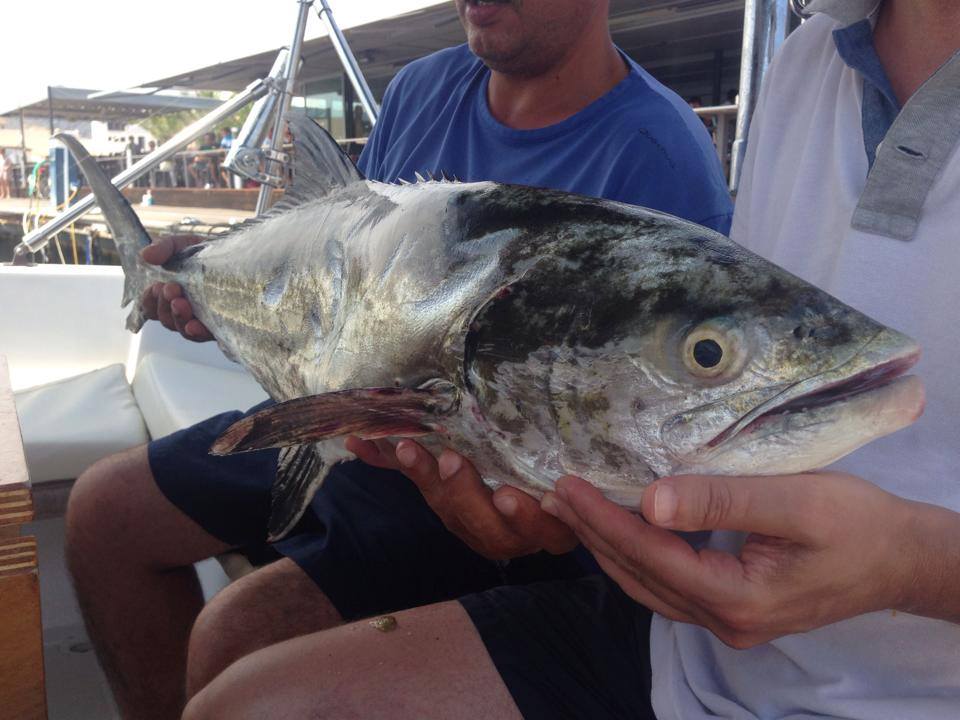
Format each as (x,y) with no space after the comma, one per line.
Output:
(638,144)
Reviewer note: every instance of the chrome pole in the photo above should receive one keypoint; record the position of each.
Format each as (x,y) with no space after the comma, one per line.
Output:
(40,237)
(23,153)
(245,157)
(274,154)
(765,27)
(349,63)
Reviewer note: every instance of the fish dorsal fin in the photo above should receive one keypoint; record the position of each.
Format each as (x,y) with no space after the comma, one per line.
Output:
(319,165)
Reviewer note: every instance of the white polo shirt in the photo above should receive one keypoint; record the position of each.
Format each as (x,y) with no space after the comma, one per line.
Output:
(804,174)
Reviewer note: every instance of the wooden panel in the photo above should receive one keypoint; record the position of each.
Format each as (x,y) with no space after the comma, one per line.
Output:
(15,504)
(22,695)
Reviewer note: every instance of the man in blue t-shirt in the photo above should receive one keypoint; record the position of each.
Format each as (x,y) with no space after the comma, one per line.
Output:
(542,97)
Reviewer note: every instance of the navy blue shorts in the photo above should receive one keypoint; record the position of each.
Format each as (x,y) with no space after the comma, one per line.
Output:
(373,546)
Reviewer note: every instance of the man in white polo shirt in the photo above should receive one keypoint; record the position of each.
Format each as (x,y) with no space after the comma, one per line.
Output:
(852,181)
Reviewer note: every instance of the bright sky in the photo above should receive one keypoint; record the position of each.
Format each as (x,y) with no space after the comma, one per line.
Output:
(113,44)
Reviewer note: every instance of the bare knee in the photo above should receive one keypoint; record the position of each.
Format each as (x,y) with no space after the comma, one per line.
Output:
(116,511)
(251,688)
(218,701)
(273,604)
(217,639)
(97,516)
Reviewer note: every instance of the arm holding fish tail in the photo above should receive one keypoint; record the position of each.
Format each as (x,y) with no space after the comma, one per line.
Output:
(165,301)
(499,525)
(823,547)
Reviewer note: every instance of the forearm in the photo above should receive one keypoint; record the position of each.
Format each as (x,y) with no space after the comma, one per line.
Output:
(932,537)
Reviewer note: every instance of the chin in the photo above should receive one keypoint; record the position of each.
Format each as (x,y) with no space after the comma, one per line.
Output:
(504,54)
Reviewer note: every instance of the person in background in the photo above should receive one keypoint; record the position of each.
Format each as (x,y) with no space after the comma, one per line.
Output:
(201,167)
(226,142)
(5,170)
(226,138)
(696,102)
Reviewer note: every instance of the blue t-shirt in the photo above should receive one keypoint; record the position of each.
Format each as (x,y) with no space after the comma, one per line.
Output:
(639,143)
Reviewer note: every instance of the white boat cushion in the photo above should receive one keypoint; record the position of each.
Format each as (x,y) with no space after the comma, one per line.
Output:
(69,424)
(175,393)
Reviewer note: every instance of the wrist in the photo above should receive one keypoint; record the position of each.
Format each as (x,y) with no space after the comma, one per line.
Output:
(930,572)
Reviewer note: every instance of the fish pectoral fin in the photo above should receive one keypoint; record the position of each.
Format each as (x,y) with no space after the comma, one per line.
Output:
(369,413)
(300,472)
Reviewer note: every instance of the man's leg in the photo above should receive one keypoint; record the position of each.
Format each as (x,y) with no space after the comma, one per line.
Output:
(561,649)
(369,545)
(275,603)
(433,664)
(130,552)
(136,523)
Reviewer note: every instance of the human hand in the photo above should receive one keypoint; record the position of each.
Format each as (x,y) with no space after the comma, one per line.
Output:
(823,547)
(165,301)
(499,525)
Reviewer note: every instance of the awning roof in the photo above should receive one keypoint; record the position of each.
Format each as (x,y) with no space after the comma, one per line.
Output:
(675,40)
(381,48)
(82,104)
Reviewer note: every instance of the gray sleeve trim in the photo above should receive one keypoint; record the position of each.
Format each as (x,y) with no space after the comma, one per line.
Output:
(911,156)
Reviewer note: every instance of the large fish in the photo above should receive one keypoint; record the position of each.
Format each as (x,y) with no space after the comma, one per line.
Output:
(539,332)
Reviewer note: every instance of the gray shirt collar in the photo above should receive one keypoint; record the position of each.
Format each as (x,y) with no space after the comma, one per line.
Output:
(844,11)
(916,147)
(913,153)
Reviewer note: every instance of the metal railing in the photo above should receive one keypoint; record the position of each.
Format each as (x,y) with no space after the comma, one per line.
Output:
(765,27)
(721,122)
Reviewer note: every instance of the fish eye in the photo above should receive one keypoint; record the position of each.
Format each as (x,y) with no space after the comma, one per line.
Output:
(707,353)
(713,349)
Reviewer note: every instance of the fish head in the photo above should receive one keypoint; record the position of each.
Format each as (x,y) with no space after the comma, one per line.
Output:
(638,345)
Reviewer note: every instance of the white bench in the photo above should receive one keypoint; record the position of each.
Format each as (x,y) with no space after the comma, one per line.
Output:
(70,339)
(85,387)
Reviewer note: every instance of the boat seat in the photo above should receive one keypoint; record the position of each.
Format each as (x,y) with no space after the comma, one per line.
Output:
(174,393)
(69,424)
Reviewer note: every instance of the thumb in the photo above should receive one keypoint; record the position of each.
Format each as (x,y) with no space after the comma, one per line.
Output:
(159,251)
(164,248)
(776,506)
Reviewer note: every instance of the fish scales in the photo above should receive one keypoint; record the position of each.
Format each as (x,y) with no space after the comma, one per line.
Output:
(538,332)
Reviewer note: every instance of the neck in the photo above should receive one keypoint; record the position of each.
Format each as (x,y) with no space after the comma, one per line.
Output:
(914,38)
(590,70)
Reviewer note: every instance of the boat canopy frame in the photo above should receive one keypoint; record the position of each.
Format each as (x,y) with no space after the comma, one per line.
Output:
(257,152)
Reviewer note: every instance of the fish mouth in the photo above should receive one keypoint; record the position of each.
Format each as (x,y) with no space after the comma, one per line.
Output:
(841,385)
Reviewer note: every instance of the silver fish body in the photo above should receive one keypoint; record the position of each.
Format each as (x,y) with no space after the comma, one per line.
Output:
(540,333)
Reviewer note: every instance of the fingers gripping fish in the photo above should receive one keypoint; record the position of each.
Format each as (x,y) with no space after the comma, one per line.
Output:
(539,332)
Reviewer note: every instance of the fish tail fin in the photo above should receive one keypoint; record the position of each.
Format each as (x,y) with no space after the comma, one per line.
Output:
(129,234)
